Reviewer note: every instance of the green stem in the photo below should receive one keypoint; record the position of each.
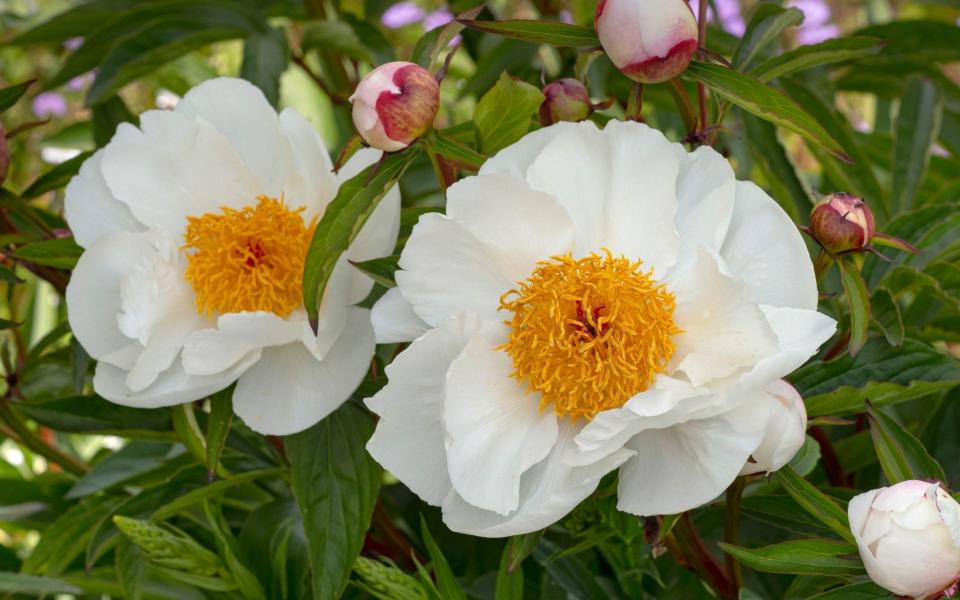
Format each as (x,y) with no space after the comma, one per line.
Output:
(29,438)
(701,90)
(635,103)
(731,534)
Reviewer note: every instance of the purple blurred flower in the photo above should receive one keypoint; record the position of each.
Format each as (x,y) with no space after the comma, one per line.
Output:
(402,14)
(437,18)
(73,43)
(731,20)
(77,83)
(817,34)
(566,17)
(48,104)
(816,25)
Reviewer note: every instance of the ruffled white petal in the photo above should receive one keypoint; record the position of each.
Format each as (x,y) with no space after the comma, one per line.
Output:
(314,185)
(706,187)
(90,208)
(394,320)
(495,429)
(764,249)
(548,491)
(409,438)
(289,390)
(682,467)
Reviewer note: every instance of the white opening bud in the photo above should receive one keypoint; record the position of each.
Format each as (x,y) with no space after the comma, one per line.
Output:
(395,104)
(786,430)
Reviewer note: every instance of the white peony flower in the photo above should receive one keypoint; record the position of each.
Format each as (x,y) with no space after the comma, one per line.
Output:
(786,430)
(909,537)
(591,299)
(196,227)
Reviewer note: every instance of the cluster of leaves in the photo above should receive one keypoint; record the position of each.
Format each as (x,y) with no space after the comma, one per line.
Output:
(196,505)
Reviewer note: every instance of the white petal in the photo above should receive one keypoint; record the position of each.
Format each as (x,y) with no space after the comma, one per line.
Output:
(239,111)
(764,249)
(687,465)
(90,208)
(288,390)
(515,159)
(93,296)
(495,430)
(706,188)
(548,491)
(312,164)
(723,330)
(210,351)
(394,320)
(332,315)
(785,432)
(173,386)
(408,441)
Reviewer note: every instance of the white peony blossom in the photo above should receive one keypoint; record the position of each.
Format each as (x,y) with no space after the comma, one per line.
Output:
(196,227)
(786,430)
(591,300)
(909,537)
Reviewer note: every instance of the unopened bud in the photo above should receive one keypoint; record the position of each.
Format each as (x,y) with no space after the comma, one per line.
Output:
(565,100)
(395,104)
(909,538)
(786,430)
(841,223)
(648,40)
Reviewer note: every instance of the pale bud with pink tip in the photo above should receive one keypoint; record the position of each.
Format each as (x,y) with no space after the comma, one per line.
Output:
(785,433)
(909,538)
(648,40)
(395,104)
(565,100)
(842,223)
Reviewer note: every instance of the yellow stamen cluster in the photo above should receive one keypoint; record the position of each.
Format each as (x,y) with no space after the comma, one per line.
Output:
(249,259)
(590,333)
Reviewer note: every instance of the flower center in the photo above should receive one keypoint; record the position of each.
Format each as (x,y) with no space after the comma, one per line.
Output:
(249,259)
(590,333)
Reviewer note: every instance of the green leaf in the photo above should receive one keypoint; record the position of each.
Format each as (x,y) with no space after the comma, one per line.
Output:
(766,24)
(886,314)
(858,301)
(801,557)
(855,591)
(781,174)
(343,219)
(817,55)
(57,177)
(446,582)
(21,583)
(918,126)
(107,116)
(92,414)
(74,22)
(10,94)
(218,427)
(136,458)
(131,567)
(211,490)
(924,41)
(334,36)
(570,573)
(265,58)
(454,152)
(381,270)
(522,546)
(540,32)
(335,483)
(67,536)
(766,102)
(902,456)
(882,373)
(824,508)
(509,581)
(188,431)
(60,253)
(229,548)
(806,459)
(503,114)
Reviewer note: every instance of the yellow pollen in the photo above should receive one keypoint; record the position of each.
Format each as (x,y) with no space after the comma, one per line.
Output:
(590,333)
(249,259)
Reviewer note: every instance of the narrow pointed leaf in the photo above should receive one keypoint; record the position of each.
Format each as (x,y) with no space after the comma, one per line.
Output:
(446,582)
(816,55)
(540,32)
(886,314)
(801,557)
(902,456)
(824,508)
(218,427)
(858,301)
(918,125)
(766,24)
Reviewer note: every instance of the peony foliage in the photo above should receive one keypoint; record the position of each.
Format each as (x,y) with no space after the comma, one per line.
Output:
(420,300)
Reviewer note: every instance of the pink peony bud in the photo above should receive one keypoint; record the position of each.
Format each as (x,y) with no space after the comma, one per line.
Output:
(841,223)
(909,537)
(786,430)
(395,104)
(649,40)
(565,100)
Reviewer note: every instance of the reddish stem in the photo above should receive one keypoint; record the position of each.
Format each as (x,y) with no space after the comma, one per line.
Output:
(831,464)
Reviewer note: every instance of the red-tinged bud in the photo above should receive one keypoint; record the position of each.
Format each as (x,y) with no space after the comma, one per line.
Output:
(395,104)
(565,100)
(648,40)
(842,223)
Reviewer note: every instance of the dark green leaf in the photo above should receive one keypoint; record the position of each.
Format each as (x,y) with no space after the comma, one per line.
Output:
(503,114)
(74,22)
(342,220)
(188,431)
(768,103)
(57,177)
(570,573)
(10,94)
(902,456)
(781,174)
(824,508)
(456,153)
(540,32)
(335,483)
(211,490)
(858,301)
(130,461)
(766,24)
(446,582)
(806,458)
(131,567)
(60,253)
(433,42)
(856,591)
(381,270)
(107,116)
(801,557)
(229,548)
(218,427)
(7,324)
(521,546)
(918,126)
(33,585)
(816,55)
(92,414)
(66,537)
(509,581)
(886,314)
(926,41)
(264,61)
(334,36)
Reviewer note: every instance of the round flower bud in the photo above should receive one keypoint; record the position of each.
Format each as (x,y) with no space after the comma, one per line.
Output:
(841,223)
(394,105)
(786,430)
(909,537)
(565,100)
(648,40)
